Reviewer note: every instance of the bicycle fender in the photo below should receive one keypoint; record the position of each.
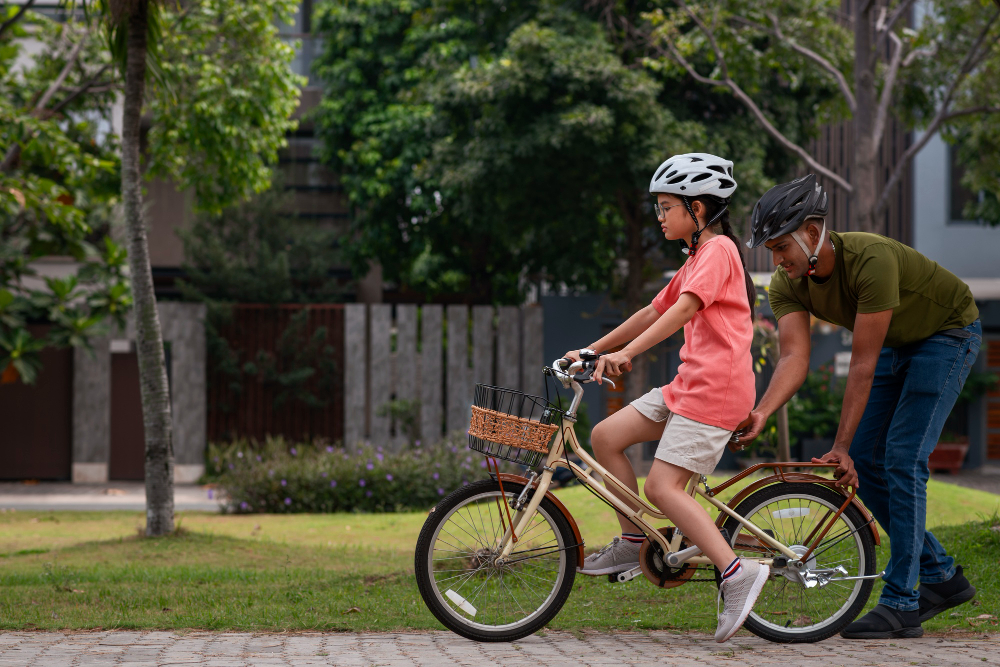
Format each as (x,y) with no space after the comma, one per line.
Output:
(800,477)
(517,479)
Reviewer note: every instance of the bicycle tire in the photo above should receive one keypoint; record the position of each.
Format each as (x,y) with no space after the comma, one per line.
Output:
(564,563)
(862,542)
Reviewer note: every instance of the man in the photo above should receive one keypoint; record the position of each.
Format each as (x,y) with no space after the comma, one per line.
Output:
(916,335)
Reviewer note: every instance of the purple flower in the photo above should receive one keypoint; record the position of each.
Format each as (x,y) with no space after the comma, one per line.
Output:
(333,483)
(284,482)
(368,443)
(380,457)
(483,464)
(368,494)
(370,466)
(239,455)
(417,443)
(468,459)
(259,459)
(389,477)
(329,449)
(361,482)
(464,482)
(210,493)
(435,475)
(270,473)
(232,467)
(440,492)
(216,459)
(288,501)
(379,448)
(454,450)
(293,451)
(244,506)
(323,474)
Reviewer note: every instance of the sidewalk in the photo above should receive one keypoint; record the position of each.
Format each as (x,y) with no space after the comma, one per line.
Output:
(95,497)
(433,649)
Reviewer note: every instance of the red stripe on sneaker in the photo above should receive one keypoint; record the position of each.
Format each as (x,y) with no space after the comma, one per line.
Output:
(733,569)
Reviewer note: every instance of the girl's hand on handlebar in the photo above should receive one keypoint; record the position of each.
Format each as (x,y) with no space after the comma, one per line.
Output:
(612,364)
(573,354)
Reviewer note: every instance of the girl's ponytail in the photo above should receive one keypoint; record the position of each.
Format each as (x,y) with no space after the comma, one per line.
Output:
(713,204)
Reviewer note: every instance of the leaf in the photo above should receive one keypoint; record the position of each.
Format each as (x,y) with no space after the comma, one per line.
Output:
(353,610)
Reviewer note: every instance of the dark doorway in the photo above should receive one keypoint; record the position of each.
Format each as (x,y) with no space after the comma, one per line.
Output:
(128,445)
(36,422)
(128,436)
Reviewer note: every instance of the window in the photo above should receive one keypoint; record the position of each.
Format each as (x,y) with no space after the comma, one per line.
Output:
(317,193)
(958,195)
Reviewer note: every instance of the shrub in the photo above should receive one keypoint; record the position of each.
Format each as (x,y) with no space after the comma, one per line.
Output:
(282,477)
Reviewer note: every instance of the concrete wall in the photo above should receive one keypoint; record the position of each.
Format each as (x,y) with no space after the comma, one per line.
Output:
(969,250)
(183,329)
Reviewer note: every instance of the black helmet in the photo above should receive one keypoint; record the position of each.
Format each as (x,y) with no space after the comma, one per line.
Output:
(784,208)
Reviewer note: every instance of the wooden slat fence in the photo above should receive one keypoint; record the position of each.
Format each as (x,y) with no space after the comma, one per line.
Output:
(243,405)
(432,356)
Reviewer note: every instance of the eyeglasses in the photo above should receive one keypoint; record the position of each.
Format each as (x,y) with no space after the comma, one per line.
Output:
(661,211)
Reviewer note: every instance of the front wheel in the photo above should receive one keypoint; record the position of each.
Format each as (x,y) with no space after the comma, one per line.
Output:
(794,514)
(467,590)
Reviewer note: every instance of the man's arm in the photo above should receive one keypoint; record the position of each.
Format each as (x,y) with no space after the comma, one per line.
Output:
(869,335)
(789,372)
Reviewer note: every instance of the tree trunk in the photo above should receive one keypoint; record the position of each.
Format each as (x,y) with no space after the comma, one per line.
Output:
(152,365)
(635,257)
(865,151)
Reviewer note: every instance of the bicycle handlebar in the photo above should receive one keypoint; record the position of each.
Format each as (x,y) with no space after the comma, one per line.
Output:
(570,373)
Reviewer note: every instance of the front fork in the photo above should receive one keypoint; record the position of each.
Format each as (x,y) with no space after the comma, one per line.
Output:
(523,514)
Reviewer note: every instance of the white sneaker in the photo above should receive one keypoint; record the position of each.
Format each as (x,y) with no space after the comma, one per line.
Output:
(740,594)
(618,556)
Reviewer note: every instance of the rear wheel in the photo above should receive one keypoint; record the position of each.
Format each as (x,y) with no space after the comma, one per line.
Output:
(794,513)
(464,587)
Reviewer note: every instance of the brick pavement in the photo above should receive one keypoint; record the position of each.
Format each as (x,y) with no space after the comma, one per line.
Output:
(555,649)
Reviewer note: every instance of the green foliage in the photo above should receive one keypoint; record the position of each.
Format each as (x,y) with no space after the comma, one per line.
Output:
(57,188)
(814,410)
(485,145)
(405,416)
(279,477)
(224,105)
(254,252)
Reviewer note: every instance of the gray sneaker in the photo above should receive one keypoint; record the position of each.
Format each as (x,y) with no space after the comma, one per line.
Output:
(619,556)
(740,593)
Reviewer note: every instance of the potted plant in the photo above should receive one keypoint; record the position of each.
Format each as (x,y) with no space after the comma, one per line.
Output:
(814,412)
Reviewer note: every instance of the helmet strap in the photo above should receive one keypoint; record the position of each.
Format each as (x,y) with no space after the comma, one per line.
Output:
(812,255)
(697,232)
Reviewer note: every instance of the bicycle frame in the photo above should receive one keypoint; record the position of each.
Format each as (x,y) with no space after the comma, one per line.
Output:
(566,439)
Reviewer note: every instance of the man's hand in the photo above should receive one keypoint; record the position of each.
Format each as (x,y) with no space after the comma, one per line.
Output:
(612,364)
(757,421)
(845,473)
(742,432)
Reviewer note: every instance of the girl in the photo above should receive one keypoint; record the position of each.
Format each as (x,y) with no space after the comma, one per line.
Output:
(693,417)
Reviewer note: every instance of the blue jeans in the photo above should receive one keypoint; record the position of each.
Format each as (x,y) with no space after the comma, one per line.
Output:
(913,392)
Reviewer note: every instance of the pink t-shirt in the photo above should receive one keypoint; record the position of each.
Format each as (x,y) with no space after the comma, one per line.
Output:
(715,382)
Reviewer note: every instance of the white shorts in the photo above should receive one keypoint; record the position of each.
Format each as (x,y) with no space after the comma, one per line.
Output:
(685,443)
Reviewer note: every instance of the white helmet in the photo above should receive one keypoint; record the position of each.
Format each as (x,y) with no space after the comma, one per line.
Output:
(693,175)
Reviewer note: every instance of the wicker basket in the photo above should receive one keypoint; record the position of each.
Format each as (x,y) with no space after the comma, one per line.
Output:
(511,425)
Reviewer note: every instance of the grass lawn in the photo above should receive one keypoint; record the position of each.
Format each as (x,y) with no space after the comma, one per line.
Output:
(352,571)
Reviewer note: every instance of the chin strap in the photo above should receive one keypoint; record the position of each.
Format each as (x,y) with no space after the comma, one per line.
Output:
(697,232)
(812,255)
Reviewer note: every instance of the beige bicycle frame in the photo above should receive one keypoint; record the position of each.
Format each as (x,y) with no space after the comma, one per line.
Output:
(641,517)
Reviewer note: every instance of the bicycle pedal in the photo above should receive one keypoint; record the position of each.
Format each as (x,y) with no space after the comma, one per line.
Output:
(622,577)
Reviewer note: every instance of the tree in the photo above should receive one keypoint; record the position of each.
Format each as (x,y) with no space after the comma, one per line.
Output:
(57,189)
(487,147)
(938,76)
(234,94)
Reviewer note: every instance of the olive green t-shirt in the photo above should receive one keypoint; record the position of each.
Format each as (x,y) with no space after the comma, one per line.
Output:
(874,273)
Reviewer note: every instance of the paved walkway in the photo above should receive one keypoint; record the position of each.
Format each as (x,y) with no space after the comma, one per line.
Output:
(96,497)
(39,649)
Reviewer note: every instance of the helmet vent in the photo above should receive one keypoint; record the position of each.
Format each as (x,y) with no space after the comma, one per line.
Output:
(715,167)
(699,177)
(657,177)
(726,183)
(676,179)
(696,159)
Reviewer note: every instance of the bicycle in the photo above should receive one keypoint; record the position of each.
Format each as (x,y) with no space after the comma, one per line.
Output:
(496,559)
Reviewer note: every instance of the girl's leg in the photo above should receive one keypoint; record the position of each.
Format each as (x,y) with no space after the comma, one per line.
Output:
(665,488)
(612,437)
